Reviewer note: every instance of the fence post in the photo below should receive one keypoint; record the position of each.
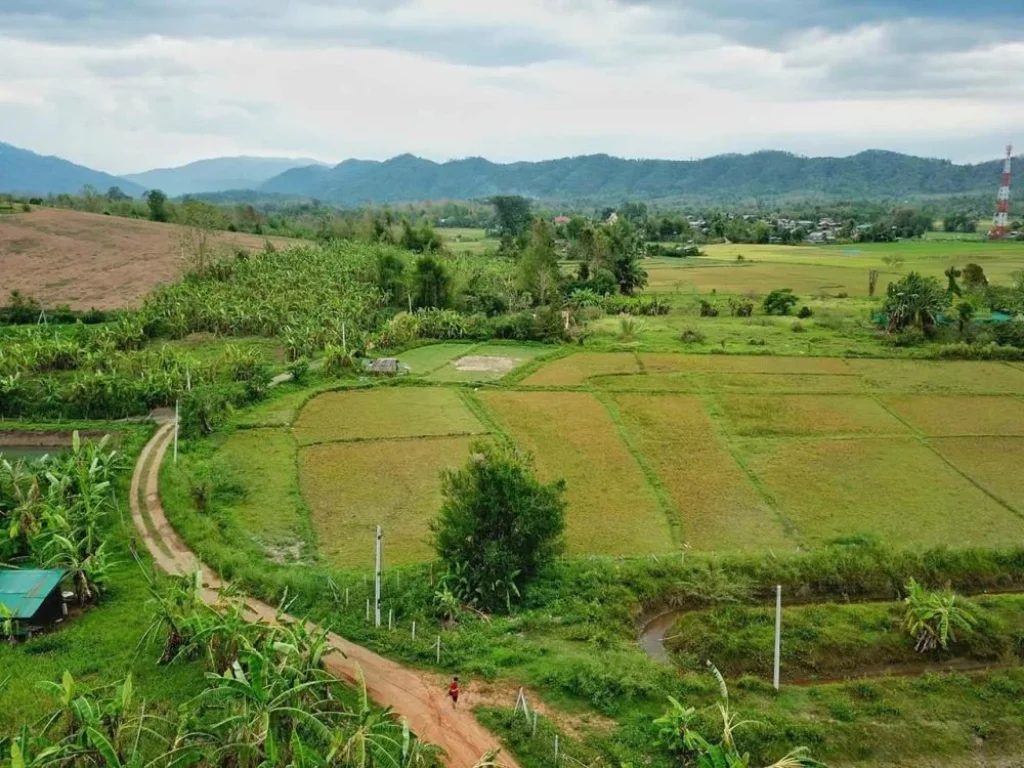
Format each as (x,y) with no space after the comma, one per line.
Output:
(376,588)
(556,747)
(176,403)
(438,649)
(391,619)
(778,632)
(414,631)
(367,609)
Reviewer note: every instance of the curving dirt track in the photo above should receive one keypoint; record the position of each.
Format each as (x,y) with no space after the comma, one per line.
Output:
(421,699)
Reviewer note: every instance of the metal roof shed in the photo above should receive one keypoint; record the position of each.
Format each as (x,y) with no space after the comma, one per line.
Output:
(33,596)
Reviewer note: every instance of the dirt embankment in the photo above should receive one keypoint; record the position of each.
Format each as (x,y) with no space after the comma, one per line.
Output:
(91,260)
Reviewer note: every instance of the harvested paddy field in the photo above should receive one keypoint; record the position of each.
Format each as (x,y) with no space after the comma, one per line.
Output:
(893,487)
(90,260)
(576,369)
(793,415)
(613,510)
(387,412)
(349,493)
(717,504)
(947,416)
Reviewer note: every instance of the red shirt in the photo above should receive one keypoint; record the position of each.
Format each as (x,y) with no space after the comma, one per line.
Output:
(453,690)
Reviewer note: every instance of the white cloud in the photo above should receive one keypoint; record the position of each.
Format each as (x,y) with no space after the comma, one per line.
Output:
(585,77)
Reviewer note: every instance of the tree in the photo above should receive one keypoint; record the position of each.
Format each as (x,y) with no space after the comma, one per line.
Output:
(914,301)
(538,264)
(498,526)
(779,302)
(513,214)
(432,285)
(933,617)
(964,314)
(974,276)
(157,202)
(952,288)
(624,251)
(872,281)
(197,241)
(389,275)
(115,195)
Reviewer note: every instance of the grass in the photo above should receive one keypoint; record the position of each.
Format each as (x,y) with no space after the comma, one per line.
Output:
(792,415)
(612,509)
(831,640)
(427,359)
(759,279)
(386,412)
(353,487)
(712,383)
(718,506)
(274,513)
(942,415)
(894,488)
(674,363)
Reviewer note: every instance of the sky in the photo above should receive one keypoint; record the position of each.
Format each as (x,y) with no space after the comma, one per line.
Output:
(126,85)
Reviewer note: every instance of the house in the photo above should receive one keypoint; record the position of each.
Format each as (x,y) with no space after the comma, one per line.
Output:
(386,366)
(561,221)
(31,598)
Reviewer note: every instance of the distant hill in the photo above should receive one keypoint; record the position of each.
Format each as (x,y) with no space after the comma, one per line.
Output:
(870,174)
(25,172)
(217,174)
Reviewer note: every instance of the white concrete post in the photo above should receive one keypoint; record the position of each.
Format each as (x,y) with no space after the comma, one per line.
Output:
(778,632)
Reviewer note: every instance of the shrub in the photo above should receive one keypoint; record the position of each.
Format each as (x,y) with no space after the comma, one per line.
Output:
(779,302)
(707,309)
(691,336)
(805,312)
(798,328)
(932,617)
(498,525)
(741,307)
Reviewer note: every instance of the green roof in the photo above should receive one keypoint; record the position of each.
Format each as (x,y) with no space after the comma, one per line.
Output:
(23,592)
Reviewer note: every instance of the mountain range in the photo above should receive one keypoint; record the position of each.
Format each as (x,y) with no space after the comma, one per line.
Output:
(217,174)
(866,175)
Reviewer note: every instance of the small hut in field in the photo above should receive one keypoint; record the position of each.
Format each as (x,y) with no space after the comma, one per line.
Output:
(32,599)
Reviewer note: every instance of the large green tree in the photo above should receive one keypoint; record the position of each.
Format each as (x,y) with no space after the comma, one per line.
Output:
(513,214)
(498,525)
(157,202)
(538,264)
(432,284)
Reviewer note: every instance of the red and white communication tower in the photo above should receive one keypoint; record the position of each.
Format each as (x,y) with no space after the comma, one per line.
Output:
(1000,224)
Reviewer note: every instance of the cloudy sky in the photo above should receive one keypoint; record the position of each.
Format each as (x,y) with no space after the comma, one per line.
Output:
(125,85)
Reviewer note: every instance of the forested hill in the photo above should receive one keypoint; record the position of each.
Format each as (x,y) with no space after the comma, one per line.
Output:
(871,174)
(22,171)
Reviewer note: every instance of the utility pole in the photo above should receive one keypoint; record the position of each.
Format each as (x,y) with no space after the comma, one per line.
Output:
(778,632)
(1000,223)
(376,610)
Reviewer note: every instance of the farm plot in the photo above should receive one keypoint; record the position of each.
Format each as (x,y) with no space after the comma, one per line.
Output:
(711,383)
(790,415)
(805,280)
(386,412)
(486,362)
(994,463)
(718,506)
(612,509)
(426,360)
(352,487)
(940,377)
(274,514)
(892,487)
(767,364)
(942,416)
(576,369)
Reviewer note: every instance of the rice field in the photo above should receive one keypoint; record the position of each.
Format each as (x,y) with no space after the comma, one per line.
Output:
(385,412)
(486,362)
(353,487)
(893,488)
(612,508)
(659,452)
(718,506)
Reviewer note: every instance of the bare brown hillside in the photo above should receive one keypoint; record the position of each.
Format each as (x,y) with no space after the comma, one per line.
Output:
(91,260)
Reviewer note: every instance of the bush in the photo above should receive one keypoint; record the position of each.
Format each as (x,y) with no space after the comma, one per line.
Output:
(691,336)
(779,302)
(707,309)
(798,328)
(805,312)
(741,307)
(498,525)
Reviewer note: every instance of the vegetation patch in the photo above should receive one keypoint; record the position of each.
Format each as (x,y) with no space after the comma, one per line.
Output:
(777,364)
(753,383)
(612,509)
(782,415)
(425,360)
(353,487)
(576,369)
(894,488)
(831,640)
(942,416)
(953,377)
(719,507)
(994,463)
(385,412)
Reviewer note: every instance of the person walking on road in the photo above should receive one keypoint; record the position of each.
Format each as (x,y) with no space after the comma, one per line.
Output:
(453,691)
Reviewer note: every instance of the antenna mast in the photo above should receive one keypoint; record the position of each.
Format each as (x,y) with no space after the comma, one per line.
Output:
(1000,223)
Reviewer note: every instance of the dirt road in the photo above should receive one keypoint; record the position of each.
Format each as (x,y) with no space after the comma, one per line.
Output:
(420,698)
